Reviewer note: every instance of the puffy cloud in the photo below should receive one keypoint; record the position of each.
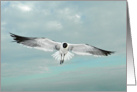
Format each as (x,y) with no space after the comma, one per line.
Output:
(70,14)
(25,8)
(54,25)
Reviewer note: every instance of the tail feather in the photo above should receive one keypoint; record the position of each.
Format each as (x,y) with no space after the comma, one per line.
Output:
(68,56)
(57,56)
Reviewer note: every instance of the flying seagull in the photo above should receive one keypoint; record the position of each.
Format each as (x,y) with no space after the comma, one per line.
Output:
(63,49)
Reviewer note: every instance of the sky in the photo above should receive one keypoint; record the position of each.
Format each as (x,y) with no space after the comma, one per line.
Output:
(99,23)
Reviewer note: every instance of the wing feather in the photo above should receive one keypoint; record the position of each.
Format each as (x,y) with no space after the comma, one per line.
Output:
(38,43)
(85,49)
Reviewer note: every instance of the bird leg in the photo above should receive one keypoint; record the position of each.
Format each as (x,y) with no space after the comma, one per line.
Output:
(62,59)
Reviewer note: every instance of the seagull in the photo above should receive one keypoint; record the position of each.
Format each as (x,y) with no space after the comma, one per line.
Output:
(64,50)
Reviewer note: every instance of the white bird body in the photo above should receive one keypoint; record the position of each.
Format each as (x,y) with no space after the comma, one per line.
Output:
(63,52)
(63,49)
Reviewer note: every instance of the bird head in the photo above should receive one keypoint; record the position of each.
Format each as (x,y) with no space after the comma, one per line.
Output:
(65,45)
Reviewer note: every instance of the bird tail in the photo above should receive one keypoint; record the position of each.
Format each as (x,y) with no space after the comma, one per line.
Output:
(57,56)
(68,56)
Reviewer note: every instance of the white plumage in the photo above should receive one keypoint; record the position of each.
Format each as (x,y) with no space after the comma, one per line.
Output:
(57,56)
(63,49)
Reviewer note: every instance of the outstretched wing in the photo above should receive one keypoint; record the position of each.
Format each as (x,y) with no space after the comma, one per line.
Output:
(38,43)
(85,49)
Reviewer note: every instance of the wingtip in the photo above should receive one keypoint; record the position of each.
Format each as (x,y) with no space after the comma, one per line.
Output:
(109,53)
(14,37)
(11,34)
(112,52)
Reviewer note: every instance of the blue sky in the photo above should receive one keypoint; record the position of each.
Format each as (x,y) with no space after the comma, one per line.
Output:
(98,23)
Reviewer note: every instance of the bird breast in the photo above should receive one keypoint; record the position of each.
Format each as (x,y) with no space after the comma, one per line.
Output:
(63,50)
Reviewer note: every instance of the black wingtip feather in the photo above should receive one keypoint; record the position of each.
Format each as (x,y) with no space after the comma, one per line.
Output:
(12,35)
(18,38)
(107,52)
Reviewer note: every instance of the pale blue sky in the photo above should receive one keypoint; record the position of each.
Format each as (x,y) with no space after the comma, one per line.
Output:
(98,23)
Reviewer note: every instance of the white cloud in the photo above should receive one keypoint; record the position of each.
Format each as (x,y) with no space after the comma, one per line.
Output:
(70,15)
(77,16)
(54,25)
(25,8)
